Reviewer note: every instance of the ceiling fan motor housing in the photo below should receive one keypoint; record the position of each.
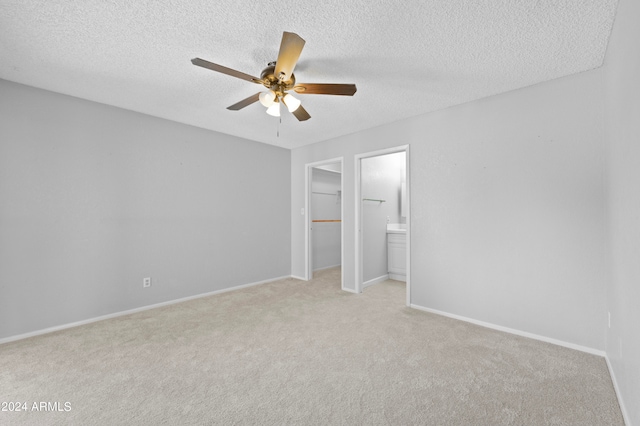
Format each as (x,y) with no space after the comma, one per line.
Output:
(271,81)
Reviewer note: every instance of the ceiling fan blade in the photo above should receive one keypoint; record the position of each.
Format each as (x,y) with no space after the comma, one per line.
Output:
(301,114)
(325,89)
(224,70)
(290,49)
(245,102)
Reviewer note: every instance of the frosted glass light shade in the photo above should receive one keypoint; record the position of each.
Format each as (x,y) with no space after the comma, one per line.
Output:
(274,109)
(291,102)
(267,98)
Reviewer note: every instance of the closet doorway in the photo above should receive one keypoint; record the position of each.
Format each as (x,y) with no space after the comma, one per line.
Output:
(383,232)
(324,226)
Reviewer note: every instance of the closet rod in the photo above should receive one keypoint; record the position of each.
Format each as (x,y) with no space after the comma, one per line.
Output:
(327,220)
(371,199)
(324,193)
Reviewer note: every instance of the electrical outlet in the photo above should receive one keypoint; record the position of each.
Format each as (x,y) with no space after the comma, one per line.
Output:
(146,282)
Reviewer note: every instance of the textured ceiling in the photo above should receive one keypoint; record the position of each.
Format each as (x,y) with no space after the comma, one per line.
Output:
(406,57)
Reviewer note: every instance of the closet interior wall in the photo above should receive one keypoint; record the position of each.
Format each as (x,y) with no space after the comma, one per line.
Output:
(326,200)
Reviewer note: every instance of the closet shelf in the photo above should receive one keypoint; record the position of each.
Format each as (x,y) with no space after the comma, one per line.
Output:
(326,220)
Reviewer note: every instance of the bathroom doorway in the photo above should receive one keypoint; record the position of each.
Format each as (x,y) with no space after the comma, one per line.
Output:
(324,226)
(383,218)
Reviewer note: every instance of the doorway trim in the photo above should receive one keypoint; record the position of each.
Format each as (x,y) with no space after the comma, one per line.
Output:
(359,271)
(308,249)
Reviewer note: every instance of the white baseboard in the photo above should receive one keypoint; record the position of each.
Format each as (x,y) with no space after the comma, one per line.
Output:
(625,415)
(327,267)
(298,278)
(397,277)
(375,281)
(132,311)
(514,331)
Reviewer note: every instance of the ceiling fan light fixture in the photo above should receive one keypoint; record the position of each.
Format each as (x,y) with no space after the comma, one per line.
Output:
(291,102)
(274,109)
(267,98)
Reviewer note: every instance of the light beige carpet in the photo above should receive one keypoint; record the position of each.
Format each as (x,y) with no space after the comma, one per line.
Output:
(293,352)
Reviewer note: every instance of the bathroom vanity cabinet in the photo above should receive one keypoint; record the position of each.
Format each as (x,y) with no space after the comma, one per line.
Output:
(397,253)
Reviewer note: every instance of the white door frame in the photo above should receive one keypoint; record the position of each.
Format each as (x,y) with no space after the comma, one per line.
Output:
(308,271)
(358,213)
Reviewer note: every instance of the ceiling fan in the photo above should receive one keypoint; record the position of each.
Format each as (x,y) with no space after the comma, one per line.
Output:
(278,78)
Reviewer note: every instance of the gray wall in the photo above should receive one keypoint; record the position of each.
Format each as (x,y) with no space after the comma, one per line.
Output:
(622,67)
(94,198)
(507,208)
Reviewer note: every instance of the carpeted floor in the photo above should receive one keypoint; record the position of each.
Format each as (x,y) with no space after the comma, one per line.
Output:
(293,352)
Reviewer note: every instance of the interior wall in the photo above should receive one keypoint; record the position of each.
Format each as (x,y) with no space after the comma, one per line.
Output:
(381,178)
(507,217)
(95,198)
(622,68)
(326,236)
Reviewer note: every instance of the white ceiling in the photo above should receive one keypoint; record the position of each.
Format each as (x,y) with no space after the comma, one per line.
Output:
(406,57)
